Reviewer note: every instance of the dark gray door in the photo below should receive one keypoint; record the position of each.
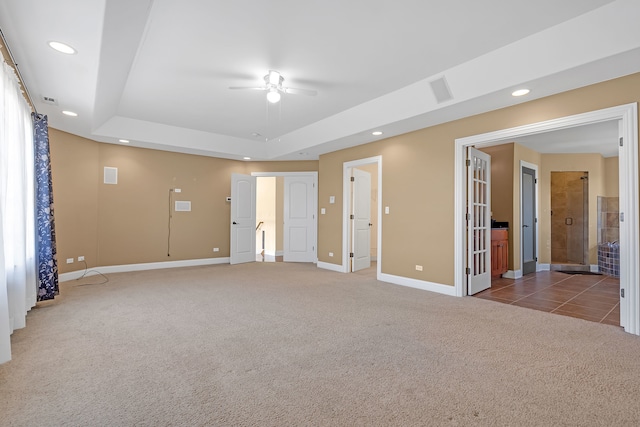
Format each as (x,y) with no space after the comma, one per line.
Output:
(528,235)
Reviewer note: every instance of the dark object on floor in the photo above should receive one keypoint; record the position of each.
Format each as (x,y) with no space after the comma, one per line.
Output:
(588,273)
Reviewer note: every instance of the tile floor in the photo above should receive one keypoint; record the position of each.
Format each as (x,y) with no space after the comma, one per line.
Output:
(590,297)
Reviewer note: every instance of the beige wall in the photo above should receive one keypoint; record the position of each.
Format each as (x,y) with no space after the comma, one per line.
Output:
(266,213)
(611,180)
(418,180)
(128,223)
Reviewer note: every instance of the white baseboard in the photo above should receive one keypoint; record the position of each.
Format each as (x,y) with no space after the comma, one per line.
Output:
(594,268)
(139,267)
(418,284)
(333,267)
(512,274)
(544,267)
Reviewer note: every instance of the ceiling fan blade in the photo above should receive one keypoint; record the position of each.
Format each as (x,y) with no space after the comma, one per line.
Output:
(247,88)
(295,91)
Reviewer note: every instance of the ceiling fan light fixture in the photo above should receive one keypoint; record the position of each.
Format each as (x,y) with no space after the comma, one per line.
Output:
(274,78)
(273,96)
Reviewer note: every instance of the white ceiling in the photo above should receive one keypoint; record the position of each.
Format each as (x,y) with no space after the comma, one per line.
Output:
(157,72)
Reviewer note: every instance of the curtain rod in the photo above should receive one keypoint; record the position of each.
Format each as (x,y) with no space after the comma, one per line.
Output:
(15,67)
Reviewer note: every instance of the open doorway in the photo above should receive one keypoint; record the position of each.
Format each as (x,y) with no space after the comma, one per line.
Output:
(626,117)
(569,220)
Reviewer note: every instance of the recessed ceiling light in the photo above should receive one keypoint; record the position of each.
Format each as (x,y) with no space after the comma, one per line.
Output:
(376,133)
(70,113)
(124,141)
(520,92)
(61,47)
(247,158)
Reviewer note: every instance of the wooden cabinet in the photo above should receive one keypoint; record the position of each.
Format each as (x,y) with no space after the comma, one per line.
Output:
(499,251)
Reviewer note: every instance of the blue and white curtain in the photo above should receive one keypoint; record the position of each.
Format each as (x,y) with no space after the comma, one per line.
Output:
(45,224)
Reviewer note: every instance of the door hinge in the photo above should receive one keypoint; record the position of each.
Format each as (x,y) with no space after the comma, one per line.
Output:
(535,181)
(621,141)
(352,217)
(535,220)
(353,178)
(468,162)
(536,259)
(621,216)
(467,217)
(621,292)
(468,270)
(350,254)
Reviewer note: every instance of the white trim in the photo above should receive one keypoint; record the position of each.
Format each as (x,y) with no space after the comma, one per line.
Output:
(512,274)
(627,115)
(271,174)
(346,192)
(333,267)
(418,284)
(125,268)
(534,167)
(594,268)
(544,267)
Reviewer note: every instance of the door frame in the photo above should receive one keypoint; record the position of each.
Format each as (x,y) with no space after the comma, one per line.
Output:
(346,195)
(314,175)
(536,236)
(627,117)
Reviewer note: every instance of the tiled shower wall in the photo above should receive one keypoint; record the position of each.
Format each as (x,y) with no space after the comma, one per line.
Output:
(608,236)
(608,219)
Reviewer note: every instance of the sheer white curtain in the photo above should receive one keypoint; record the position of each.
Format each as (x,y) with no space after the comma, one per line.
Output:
(18,285)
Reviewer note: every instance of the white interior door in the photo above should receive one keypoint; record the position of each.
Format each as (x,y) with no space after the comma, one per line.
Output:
(299,219)
(243,218)
(361,224)
(478,221)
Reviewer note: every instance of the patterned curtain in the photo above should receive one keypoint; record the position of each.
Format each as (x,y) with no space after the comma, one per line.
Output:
(45,224)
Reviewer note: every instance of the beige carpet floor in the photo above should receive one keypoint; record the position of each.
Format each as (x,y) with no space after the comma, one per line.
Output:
(276,344)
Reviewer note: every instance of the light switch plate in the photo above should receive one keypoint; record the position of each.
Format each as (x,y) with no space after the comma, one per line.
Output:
(323,211)
(386,210)
(332,199)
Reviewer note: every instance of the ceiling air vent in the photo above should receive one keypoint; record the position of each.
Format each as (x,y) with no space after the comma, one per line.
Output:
(440,89)
(49,100)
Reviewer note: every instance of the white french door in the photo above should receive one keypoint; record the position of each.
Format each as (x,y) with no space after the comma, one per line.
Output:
(478,221)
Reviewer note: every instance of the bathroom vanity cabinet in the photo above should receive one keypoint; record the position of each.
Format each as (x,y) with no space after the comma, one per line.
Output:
(499,251)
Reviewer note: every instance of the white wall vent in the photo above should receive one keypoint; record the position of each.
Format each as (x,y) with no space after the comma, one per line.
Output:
(49,100)
(110,175)
(183,206)
(441,90)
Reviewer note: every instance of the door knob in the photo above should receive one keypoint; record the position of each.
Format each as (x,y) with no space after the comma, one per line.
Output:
(525,226)
(234,223)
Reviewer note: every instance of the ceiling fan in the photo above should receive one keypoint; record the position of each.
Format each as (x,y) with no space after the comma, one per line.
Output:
(273,85)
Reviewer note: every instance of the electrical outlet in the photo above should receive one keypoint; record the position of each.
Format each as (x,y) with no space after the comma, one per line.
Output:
(216,249)
(69,260)
(177,190)
(81,258)
(418,268)
(330,253)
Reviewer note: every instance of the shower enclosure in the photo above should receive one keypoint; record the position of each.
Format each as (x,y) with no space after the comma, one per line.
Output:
(570,218)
